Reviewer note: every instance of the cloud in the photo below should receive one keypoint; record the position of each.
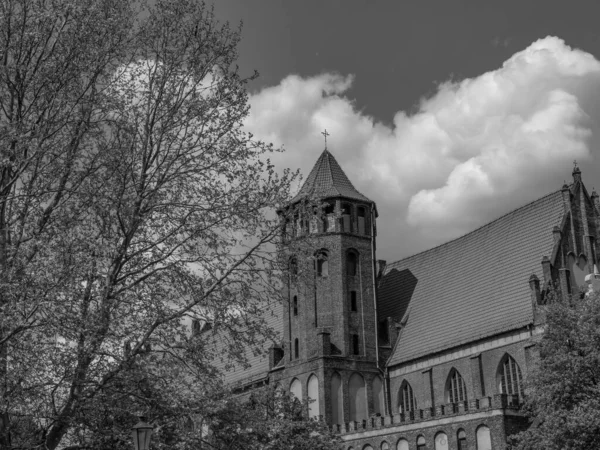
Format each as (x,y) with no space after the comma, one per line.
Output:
(474,150)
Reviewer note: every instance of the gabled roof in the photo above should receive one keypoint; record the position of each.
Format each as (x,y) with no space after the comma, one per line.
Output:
(327,179)
(474,286)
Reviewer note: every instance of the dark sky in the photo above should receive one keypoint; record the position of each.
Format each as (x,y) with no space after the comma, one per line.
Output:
(399,50)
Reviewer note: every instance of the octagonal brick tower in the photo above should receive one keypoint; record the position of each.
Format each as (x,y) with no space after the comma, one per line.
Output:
(330,324)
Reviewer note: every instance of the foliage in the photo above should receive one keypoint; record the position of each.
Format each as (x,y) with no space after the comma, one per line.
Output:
(563,391)
(131,201)
(267,420)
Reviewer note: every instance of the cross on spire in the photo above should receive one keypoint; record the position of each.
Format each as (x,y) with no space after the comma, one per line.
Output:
(325,133)
(575,163)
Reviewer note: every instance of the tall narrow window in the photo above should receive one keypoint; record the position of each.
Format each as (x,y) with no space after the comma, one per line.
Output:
(357,397)
(296,348)
(406,398)
(461,438)
(322,264)
(296,389)
(314,408)
(329,218)
(295,305)
(294,269)
(351,263)
(355,345)
(456,390)
(378,401)
(362,222)
(509,377)
(337,399)
(353,303)
(346,220)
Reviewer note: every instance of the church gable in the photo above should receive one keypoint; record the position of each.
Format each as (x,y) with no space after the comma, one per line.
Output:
(477,285)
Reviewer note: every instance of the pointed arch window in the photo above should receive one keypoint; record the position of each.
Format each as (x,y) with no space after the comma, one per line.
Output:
(510,380)
(346,219)
(421,443)
(296,389)
(358,397)
(314,406)
(378,401)
(456,390)
(351,263)
(406,398)
(322,263)
(337,399)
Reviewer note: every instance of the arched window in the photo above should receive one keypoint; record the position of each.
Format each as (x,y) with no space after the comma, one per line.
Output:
(296,389)
(484,440)
(337,399)
(420,443)
(346,219)
(296,349)
(402,444)
(367,447)
(358,398)
(351,263)
(362,222)
(578,271)
(461,438)
(456,390)
(406,398)
(377,395)
(314,407)
(384,446)
(441,441)
(295,305)
(509,377)
(322,263)
(353,302)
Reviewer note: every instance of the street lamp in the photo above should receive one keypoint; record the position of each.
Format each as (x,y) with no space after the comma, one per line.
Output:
(141,433)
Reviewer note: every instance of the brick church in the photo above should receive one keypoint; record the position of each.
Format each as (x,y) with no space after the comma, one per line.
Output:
(428,352)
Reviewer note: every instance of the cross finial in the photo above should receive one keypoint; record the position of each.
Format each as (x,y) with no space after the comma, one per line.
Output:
(325,133)
(575,164)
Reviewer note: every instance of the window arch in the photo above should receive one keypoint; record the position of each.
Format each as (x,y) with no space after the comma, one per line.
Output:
(322,263)
(406,398)
(351,263)
(421,443)
(461,438)
(456,390)
(402,444)
(441,441)
(378,401)
(509,377)
(484,440)
(296,349)
(358,398)
(384,446)
(367,447)
(296,389)
(314,407)
(337,399)
(329,217)
(295,302)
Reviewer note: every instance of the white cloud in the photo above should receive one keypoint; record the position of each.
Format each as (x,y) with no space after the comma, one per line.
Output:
(474,150)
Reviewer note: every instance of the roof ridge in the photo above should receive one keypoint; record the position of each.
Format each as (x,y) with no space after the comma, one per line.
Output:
(473,231)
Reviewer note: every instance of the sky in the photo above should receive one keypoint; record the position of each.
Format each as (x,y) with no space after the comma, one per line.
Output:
(447,113)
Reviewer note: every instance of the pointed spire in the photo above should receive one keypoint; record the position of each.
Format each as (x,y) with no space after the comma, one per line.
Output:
(327,179)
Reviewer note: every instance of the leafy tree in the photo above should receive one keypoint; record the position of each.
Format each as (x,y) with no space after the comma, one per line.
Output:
(131,201)
(563,391)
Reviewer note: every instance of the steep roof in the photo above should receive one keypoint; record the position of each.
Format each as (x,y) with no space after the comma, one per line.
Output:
(327,179)
(474,286)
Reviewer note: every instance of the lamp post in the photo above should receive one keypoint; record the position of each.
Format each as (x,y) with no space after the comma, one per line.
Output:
(141,433)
